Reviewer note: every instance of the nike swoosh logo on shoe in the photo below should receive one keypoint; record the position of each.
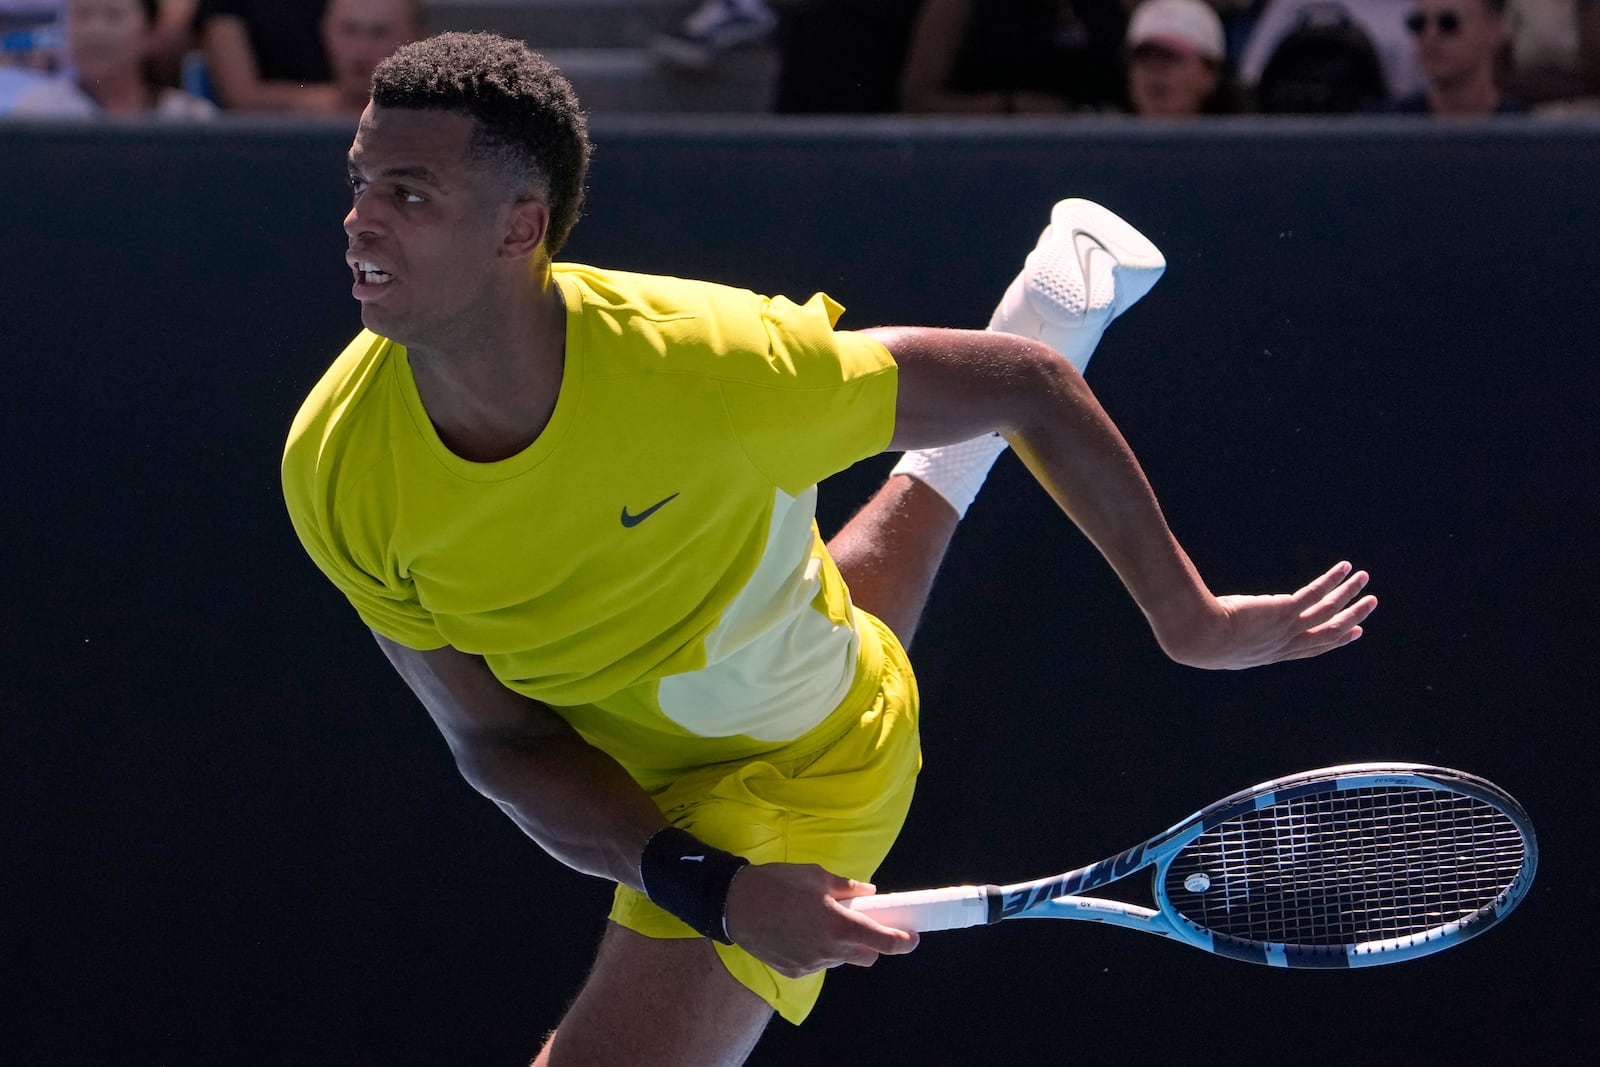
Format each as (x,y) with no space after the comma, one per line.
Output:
(1100,286)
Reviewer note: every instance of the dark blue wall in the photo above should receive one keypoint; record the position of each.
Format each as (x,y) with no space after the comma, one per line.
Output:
(231,837)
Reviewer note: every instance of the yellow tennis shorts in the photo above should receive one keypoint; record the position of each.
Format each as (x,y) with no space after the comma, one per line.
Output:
(836,797)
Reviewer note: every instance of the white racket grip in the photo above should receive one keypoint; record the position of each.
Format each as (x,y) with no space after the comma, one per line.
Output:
(928,909)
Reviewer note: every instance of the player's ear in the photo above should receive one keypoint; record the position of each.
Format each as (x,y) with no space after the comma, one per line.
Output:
(527,223)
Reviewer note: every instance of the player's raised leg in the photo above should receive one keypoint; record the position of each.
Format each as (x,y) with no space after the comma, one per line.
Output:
(1088,267)
(891,549)
(666,1002)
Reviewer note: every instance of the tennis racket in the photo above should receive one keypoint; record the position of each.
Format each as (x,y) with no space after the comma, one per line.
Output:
(1347,866)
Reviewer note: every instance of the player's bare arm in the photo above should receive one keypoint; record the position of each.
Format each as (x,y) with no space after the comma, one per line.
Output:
(956,384)
(573,799)
(580,806)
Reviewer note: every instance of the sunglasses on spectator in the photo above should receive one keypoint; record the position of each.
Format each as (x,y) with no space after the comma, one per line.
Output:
(1448,23)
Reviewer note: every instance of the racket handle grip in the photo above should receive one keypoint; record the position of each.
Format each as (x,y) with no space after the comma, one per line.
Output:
(932,909)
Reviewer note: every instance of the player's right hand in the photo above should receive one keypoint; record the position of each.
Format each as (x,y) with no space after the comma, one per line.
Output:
(788,916)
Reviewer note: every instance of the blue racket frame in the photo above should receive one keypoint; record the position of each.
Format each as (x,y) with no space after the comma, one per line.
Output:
(1060,896)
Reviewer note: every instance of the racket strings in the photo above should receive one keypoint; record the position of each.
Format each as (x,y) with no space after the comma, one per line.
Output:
(1349,867)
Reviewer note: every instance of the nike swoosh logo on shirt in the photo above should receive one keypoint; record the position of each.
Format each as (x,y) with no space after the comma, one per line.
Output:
(630,521)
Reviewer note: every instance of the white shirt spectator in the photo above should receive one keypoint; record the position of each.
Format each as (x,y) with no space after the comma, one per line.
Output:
(61,98)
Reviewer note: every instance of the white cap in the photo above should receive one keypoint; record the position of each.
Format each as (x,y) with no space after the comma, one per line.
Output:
(1189,27)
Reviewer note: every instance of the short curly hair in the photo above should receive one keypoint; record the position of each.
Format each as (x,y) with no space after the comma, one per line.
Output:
(529,125)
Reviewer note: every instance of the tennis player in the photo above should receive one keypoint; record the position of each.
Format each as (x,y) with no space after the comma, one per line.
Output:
(575,506)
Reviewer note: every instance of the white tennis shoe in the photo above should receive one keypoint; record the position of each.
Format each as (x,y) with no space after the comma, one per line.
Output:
(1088,267)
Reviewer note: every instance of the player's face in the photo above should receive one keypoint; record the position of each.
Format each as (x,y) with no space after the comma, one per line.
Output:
(425,225)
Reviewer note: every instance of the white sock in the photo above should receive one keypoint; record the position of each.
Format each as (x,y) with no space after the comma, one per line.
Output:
(956,472)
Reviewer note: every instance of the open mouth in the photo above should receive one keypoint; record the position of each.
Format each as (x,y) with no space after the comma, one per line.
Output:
(369,274)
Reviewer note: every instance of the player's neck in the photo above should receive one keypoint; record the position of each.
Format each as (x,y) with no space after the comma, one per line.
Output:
(491,391)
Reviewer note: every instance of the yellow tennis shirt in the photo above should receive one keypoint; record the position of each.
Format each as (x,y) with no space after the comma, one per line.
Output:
(650,566)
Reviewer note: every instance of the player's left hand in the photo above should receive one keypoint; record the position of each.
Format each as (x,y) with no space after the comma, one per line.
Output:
(1237,631)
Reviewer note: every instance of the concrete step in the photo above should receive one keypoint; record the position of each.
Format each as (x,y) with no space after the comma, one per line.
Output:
(562,24)
(602,47)
(631,80)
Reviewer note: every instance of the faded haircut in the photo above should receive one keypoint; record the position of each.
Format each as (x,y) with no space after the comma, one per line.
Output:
(528,126)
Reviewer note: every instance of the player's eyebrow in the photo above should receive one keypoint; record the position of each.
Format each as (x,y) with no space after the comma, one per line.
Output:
(411,172)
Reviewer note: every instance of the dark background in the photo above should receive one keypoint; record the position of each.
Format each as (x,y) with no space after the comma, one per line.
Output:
(231,837)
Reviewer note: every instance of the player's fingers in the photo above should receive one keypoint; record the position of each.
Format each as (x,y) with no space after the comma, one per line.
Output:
(846,888)
(891,942)
(1336,633)
(868,933)
(1343,607)
(1312,648)
(1350,615)
(1321,585)
(1321,599)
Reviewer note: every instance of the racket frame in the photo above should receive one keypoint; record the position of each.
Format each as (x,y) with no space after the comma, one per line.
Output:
(1062,896)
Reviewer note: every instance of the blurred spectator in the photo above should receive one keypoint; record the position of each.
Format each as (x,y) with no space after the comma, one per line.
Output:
(108,46)
(174,39)
(14,83)
(1177,61)
(266,55)
(714,28)
(360,34)
(1459,43)
(30,34)
(302,56)
(1555,49)
(1325,65)
(1003,56)
(1383,22)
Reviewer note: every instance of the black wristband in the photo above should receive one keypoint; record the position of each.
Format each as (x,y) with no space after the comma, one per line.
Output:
(690,879)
